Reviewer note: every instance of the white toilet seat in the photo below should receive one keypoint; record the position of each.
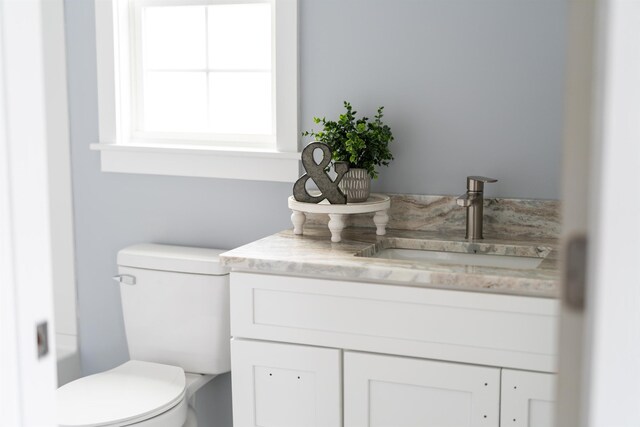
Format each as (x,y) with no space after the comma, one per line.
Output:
(130,393)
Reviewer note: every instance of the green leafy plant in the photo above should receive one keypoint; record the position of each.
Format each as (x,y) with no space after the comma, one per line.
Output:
(362,143)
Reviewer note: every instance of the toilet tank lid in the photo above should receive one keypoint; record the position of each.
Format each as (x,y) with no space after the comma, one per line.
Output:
(181,259)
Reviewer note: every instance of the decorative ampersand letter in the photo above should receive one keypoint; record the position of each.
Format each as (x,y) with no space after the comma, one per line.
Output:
(316,171)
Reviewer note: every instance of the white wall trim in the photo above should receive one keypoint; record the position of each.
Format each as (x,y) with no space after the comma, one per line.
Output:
(59,156)
(203,162)
(286,68)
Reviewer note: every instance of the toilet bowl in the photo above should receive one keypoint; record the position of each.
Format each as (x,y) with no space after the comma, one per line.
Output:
(176,311)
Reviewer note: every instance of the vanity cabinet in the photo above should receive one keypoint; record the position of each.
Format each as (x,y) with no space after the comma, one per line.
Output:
(384,391)
(528,399)
(316,352)
(284,385)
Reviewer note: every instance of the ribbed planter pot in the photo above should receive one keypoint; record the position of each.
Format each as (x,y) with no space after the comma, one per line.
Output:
(356,185)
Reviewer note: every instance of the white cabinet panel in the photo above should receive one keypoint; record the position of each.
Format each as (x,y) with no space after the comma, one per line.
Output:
(391,391)
(284,385)
(468,327)
(528,399)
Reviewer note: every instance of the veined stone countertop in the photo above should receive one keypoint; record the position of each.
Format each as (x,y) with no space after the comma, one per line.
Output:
(313,255)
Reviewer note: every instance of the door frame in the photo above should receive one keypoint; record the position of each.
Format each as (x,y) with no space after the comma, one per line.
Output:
(27,372)
(599,376)
(612,345)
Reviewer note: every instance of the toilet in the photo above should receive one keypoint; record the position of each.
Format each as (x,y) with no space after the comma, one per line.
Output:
(175,303)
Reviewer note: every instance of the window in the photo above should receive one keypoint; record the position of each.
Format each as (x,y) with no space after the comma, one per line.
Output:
(198,87)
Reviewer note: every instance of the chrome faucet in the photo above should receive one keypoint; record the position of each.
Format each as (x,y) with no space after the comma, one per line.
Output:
(473,200)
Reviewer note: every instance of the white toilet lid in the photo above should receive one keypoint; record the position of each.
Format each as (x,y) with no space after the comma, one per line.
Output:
(133,391)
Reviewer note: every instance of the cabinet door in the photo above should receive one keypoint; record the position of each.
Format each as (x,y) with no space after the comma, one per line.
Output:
(391,391)
(528,399)
(284,385)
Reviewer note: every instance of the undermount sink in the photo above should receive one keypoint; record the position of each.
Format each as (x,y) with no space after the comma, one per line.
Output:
(443,257)
(479,254)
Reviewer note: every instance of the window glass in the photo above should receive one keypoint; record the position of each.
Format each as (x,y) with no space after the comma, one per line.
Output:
(205,69)
(174,37)
(240,103)
(240,37)
(175,101)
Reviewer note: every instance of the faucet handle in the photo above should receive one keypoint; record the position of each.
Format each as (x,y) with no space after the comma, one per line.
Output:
(476,183)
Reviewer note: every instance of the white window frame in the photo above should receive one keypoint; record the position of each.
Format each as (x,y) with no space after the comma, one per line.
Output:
(121,151)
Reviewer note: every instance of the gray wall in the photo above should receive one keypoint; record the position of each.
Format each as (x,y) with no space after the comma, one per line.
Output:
(469,87)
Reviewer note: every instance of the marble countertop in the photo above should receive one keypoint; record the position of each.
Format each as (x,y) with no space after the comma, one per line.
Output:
(313,255)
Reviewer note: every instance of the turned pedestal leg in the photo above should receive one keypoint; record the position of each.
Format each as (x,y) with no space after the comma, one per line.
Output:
(336,225)
(381,218)
(298,218)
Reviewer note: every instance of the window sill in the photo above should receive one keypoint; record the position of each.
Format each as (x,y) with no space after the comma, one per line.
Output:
(196,161)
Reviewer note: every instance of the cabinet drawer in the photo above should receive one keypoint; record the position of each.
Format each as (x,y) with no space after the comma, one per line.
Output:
(472,327)
(386,391)
(284,385)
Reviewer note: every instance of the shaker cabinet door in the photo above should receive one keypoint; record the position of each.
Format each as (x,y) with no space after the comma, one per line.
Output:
(528,399)
(284,385)
(392,391)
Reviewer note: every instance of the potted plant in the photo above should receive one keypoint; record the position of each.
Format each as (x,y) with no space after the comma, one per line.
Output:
(362,143)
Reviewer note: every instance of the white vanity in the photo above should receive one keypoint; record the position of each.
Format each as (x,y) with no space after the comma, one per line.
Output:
(337,340)
(315,352)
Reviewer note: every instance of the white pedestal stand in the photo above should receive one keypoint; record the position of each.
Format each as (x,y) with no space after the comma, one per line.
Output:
(378,203)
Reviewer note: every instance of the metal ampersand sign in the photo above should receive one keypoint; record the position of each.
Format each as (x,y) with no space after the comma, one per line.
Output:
(316,172)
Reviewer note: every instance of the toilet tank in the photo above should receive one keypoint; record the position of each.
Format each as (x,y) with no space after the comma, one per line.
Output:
(177,311)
